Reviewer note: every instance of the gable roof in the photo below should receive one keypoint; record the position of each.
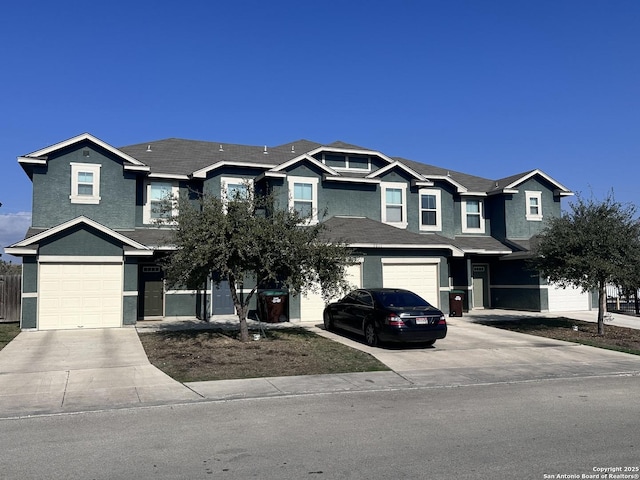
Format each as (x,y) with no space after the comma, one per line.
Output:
(36,236)
(181,158)
(40,157)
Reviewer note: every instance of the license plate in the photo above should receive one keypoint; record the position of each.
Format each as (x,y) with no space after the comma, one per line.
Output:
(422,320)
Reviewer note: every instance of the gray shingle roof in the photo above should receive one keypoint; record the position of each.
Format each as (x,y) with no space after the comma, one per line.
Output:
(485,244)
(360,230)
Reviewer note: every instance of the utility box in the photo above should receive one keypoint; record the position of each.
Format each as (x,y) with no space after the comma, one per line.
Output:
(272,306)
(456,303)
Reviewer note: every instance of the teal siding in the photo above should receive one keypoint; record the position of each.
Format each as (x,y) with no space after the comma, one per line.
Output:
(130,275)
(29,274)
(182,304)
(52,187)
(80,240)
(357,200)
(29,313)
(515,221)
(129,310)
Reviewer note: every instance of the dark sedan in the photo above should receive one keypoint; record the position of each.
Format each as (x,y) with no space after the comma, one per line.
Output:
(387,315)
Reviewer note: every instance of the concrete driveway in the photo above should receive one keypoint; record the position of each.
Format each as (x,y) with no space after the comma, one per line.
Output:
(473,353)
(75,370)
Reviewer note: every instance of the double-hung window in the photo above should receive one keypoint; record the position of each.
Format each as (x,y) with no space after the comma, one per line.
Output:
(394,204)
(472,216)
(534,205)
(233,188)
(85,183)
(430,210)
(303,197)
(160,201)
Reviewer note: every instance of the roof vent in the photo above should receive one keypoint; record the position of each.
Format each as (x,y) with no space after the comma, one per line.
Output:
(265,150)
(221,149)
(293,149)
(149,148)
(448,173)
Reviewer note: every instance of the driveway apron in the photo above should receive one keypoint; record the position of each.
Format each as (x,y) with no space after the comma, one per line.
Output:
(60,371)
(473,353)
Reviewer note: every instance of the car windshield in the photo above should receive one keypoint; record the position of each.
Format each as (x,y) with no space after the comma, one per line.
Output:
(401,299)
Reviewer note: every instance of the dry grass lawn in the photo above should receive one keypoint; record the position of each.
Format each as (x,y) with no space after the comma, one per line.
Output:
(201,355)
(8,332)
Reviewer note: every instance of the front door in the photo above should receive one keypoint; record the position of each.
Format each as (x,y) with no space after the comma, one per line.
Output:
(222,301)
(152,296)
(481,286)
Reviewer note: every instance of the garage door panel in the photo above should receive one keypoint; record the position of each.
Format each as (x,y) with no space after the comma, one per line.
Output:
(567,299)
(420,278)
(312,304)
(74,295)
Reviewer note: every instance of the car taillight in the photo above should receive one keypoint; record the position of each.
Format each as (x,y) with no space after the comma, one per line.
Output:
(394,320)
(442,320)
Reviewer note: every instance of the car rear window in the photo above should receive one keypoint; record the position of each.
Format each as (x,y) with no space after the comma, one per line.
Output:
(400,299)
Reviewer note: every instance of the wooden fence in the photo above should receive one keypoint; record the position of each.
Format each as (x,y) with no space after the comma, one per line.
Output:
(10,297)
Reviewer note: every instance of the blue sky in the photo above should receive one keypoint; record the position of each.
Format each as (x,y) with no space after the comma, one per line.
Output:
(490,88)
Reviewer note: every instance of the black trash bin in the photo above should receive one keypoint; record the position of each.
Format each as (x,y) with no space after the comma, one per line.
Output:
(272,306)
(456,302)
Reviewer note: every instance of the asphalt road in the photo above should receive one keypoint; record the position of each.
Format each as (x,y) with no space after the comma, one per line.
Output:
(524,430)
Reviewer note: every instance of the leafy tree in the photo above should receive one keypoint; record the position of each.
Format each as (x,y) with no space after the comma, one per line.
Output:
(248,239)
(596,243)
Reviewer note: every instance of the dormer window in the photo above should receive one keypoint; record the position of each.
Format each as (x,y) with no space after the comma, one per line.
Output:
(85,183)
(472,216)
(534,206)
(347,162)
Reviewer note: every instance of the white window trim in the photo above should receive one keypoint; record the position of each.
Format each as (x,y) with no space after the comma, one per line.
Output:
(466,229)
(383,202)
(93,168)
(438,194)
(224,181)
(314,195)
(528,196)
(146,209)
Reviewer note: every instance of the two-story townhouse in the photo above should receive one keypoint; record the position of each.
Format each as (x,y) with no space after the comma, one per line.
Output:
(92,255)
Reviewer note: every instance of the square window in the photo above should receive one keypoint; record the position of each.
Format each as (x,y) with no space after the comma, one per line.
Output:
(85,183)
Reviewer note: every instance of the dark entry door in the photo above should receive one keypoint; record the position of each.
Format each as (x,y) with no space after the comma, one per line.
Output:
(222,301)
(152,298)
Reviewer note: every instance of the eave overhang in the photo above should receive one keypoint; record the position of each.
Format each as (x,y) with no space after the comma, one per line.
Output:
(202,173)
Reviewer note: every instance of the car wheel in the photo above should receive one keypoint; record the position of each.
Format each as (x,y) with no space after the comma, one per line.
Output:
(328,322)
(370,335)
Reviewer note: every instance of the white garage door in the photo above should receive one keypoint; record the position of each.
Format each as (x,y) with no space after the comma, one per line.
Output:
(312,304)
(420,278)
(79,295)
(568,299)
